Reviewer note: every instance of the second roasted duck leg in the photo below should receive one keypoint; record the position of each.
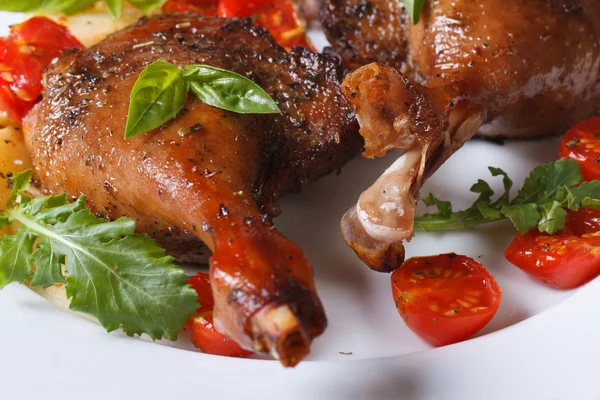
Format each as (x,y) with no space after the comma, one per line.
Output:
(500,68)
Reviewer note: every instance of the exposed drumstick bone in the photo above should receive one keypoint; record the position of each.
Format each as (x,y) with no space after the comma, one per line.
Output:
(280,333)
(430,124)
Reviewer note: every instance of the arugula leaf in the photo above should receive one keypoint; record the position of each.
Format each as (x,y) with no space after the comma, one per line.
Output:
(587,194)
(157,96)
(564,172)
(414,8)
(161,90)
(444,207)
(541,202)
(524,217)
(121,278)
(553,217)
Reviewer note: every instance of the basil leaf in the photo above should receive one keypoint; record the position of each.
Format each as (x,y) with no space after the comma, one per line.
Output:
(157,96)
(414,8)
(160,93)
(228,90)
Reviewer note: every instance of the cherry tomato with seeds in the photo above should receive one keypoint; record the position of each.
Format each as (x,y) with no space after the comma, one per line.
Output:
(25,53)
(445,298)
(237,8)
(582,144)
(563,260)
(204,7)
(584,221)
(279,17)
(200,327)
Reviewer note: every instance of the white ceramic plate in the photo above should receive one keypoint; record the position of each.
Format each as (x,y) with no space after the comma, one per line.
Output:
(543,343)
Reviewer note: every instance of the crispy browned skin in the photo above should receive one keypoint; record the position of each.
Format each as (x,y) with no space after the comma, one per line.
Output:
(532,64)
(208,174)
(366,31)
(505,67)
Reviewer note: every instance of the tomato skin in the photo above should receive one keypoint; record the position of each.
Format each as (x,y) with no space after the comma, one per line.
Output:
(563,260)
(279,17)
(584,221)
(204,7)
(25,53)
(582,144)
(200,327)
(446,298)
(282,20)
(237,8)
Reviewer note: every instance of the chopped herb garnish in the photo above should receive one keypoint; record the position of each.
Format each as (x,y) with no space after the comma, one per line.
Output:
(540,204)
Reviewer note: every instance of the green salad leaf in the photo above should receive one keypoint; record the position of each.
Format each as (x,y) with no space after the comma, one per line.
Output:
(548,191)
(161,89)
(70,7)
(119,277)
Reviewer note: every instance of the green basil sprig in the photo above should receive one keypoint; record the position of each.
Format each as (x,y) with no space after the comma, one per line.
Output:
(161,90)
(69,7)
(414,8)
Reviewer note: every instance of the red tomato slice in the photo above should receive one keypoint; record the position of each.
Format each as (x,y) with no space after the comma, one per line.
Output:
(282,20)
(200,326)
(237,8)
(204,7)
(445,298)
(563,260)
(582,144)
(25,53)
(584,221)
(279,17)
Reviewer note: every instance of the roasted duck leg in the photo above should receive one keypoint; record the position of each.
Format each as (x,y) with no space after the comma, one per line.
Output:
(497,67)
(208,174)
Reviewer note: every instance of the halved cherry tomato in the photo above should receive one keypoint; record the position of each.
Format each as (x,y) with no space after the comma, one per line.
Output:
(204,7)
(582,144)
(565,260)
(445,298)
(24,55)
(200,326)
(237,8)
(282,20)
(279,17)
(583,221)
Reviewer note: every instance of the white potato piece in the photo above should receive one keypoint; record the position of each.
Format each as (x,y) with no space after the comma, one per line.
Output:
(96,23)
(14,158)
(57,296)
